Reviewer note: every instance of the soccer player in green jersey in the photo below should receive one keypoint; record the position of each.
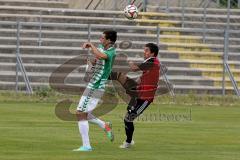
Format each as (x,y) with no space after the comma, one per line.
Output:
(104,55)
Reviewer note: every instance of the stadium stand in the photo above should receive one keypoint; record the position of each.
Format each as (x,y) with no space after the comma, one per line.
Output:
(51,33)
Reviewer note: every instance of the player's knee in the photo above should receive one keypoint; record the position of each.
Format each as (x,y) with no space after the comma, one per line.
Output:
(126,121)
(81,115)
(130,117)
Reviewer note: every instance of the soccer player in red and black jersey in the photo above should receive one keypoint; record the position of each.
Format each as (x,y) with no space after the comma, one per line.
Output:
(142,92)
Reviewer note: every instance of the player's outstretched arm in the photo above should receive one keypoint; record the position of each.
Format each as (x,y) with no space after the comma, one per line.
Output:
(95,51)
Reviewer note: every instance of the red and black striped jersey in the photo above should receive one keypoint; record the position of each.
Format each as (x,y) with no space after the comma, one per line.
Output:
(149,79)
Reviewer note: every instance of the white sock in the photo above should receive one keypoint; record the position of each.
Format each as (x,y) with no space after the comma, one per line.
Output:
(94,120)
(83,129)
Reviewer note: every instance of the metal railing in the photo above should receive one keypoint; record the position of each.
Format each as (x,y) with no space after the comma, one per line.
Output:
(87,7)
(203,5)
(226,68)
(233,3)
(97,4)
(234,83)
(20,66)
(40,30)
(165,78)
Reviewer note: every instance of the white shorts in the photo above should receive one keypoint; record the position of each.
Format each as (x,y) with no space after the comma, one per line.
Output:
(89,100)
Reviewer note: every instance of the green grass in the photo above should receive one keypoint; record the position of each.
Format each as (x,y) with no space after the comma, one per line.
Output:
(31,131)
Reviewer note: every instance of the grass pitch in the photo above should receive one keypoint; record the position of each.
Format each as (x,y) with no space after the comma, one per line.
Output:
(31,131)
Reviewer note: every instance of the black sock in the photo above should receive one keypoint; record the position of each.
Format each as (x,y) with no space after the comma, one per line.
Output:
(129,128)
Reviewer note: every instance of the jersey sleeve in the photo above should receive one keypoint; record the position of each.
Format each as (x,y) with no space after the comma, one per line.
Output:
(110,54)
(146,65)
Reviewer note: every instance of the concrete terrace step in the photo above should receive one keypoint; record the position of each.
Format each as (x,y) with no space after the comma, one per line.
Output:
(110,20)
(78,19)
(32,66)
(30,61)
(77,78)
(52,33)
(31,3)
(42,77)
(58,42)
(35,85)
(212,25)
(53,61)
(217,11)
(190,62)
(36,51)
(198,80)
(74,51)
(41,49)
(94,35)
(9,68)
(197,89)
(135,44)
(190,16)
(200,46)
(102,13)
(179,89)
(121,28)
(204,55)
(191,24)
(166,37)
(193,17)
(37,67)
(60,11)
(39,59)
(11,85)
(48,32)
(208,72)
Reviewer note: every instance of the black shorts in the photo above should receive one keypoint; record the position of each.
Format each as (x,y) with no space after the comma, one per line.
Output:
(135,108)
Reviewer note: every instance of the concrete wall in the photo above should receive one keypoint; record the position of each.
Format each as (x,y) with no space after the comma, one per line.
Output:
(120,4)
(178,3)
(104,5)
(76,3)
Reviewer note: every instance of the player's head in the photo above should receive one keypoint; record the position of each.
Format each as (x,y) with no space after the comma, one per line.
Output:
(108,37)
(150,50)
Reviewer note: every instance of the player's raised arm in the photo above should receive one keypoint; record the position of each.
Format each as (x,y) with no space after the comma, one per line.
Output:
(95,51)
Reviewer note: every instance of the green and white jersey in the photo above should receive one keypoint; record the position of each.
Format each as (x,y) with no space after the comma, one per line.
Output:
(103,69)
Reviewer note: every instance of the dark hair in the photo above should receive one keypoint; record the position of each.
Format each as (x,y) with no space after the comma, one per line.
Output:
(153,48)
(110,34)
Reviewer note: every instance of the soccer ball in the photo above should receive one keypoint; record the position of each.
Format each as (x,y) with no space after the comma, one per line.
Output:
(131,12)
